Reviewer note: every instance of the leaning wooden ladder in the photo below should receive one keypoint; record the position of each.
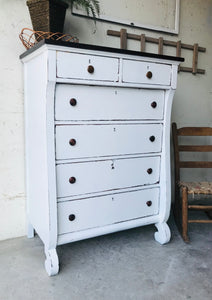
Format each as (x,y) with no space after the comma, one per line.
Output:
(124,35)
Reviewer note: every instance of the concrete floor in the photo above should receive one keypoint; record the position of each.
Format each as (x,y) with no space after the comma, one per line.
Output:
(124,265)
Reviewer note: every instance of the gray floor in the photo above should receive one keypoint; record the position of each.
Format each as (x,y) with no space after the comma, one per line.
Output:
(125,265)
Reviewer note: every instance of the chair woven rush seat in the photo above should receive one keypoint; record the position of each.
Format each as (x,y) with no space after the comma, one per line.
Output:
(197,187)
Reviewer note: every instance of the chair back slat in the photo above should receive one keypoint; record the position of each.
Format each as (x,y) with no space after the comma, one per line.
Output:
(195,131)
(190,131)
(195,148)
(195,164)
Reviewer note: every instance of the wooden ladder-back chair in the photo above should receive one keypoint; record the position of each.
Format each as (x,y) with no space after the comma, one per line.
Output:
(183,189)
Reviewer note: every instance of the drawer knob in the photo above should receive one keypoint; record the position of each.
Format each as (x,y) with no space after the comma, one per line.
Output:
(72,142)
(73,102)
(149,171)
(154,104)
(149,74)
(72,180)
(149,203)
(90,69)
(152,138)
(72,217)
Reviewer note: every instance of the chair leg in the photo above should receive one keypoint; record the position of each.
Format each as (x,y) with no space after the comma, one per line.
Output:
(209,214)
(176,209)
(185,214)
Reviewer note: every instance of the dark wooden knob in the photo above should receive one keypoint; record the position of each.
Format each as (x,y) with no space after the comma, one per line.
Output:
(72,180)
(149,74)
(72,142)
(152,138)
(90,69)
(149,203)
(154,104)
(72,217)
(73,102)
(149,171)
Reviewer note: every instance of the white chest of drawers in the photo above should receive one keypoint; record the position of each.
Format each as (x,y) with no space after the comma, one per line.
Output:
(97,142)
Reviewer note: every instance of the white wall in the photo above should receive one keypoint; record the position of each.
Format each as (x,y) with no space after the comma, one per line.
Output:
(192,102)
(13,17)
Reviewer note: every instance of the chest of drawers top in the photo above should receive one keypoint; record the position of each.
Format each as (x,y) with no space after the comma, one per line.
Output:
(81,63)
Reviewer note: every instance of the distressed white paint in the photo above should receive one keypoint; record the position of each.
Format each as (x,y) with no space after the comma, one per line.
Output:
(105,210)
(75,66)
(96,231)
(104,140)
(104,175)
(117,103)
(135,72)
(192,101)
(48,179)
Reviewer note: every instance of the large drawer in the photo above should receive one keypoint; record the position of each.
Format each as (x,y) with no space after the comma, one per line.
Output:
(74,102)
(90,67)
(107,140)
(97,176)
(146,73)
(105,210)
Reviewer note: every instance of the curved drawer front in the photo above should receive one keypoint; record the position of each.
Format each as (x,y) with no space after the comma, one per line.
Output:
(105,210)
(107,140)
(76,66)
(91,177)
(146,73)
(105,103)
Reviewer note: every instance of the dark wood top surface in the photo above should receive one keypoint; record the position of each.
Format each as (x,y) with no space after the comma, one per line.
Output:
(98,48)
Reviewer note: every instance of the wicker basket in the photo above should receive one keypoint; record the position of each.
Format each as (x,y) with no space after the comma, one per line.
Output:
(47,15)
(30,37)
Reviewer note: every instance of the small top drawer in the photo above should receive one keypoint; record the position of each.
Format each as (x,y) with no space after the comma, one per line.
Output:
(146,73)
(86,67)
